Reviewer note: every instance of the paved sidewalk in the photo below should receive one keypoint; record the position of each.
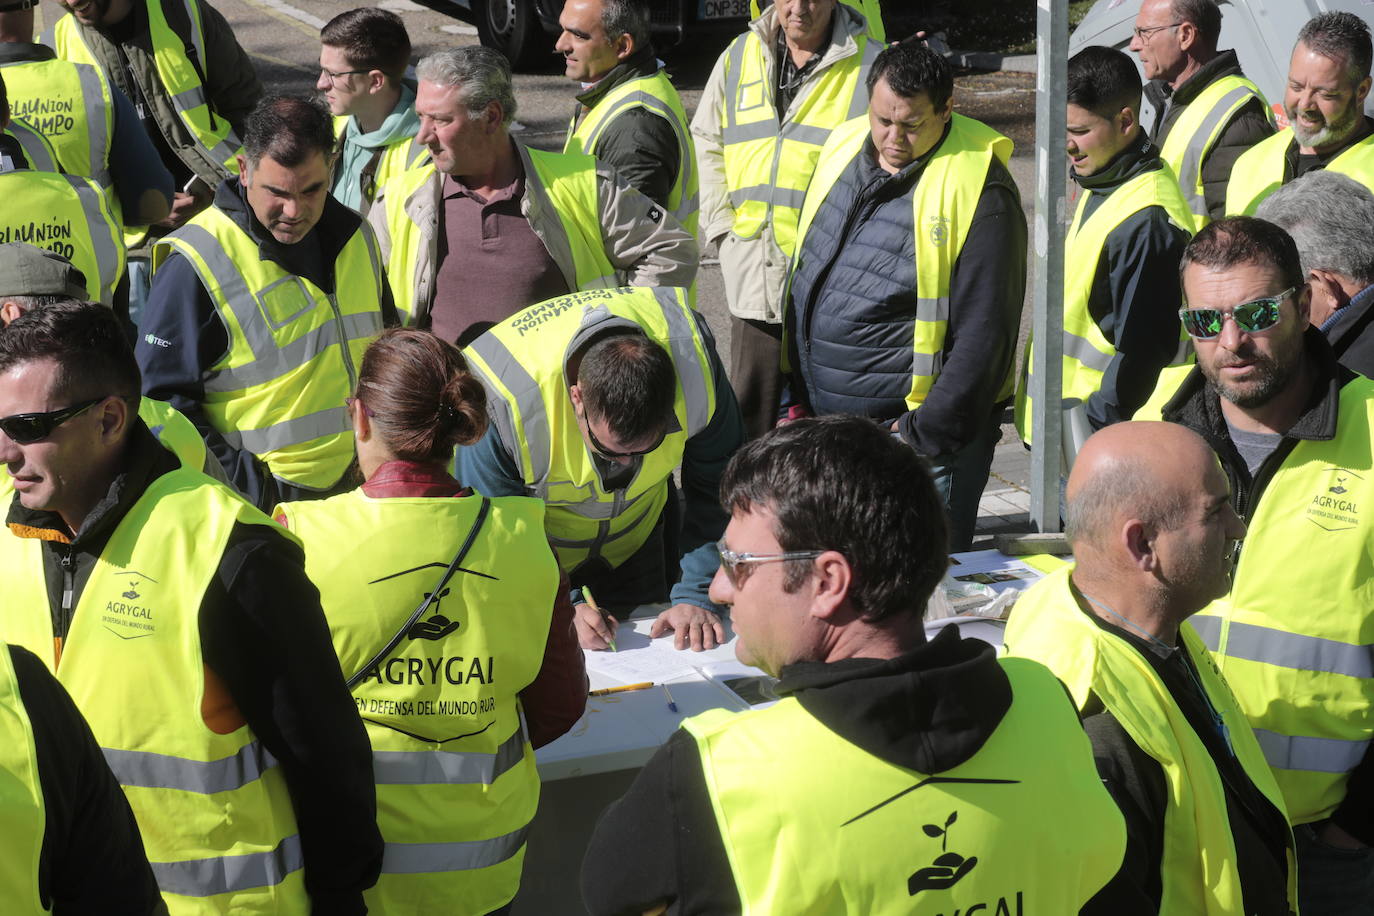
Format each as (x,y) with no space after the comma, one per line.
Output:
(1005,506)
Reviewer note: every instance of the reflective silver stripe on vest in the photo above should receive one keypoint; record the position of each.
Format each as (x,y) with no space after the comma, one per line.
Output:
(535,423)
(1082,349)
(929,310)
(598,511)
(1317,755)
(233,288)
(744,133)
(1208,628)
(423,768)
(188,100)
(602,538)
(147,770)
(926,365)
(358,326)
(106,241)
(287,433)
(686,155)
(805,133)
(768,194)
(1294,650)
(1200,143)
(735,64)
(689,369)
(419,858)
(35,148)
(226,874)
(93,93)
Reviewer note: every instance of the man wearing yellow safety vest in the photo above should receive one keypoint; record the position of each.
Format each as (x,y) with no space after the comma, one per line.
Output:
(492,226)
(1131,223)
(364,53)
(261,308)
(912,231)
(65,214)
(91,124)
(768,108)
(894,775)
(1206,112)
(190,81)
(596,399)
(71,844)
(629,114)
(1293,431)
(181,621)
(1152,529)
(1328,80)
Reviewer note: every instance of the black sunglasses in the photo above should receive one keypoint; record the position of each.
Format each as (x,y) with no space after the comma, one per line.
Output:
(607,453)
(1251,317)
(27,428)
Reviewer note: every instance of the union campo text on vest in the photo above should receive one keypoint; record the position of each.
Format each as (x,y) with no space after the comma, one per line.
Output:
(457,669)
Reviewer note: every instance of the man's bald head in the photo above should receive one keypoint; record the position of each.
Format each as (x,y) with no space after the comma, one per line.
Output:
(1138,470)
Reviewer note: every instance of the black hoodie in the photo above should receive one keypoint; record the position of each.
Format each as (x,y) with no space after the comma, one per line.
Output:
(929,710)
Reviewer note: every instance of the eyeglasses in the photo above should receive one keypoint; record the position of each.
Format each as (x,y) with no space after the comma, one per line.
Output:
(1252,317)
(27,428)
(1146,34)
(333,75)
(604,452)
(730,561)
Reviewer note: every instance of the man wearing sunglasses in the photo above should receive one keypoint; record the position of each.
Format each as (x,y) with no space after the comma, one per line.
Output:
(182,623)
(1328,81)
(1293,431)
(596,399)
(892,775)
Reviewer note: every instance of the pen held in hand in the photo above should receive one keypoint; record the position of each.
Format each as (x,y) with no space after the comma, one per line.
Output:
(621,689)
(591,602)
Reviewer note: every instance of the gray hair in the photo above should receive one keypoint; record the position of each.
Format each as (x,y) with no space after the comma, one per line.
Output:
(1121,487)
(626,17)
(1340,36)
(1203,14)
(481,75)
(1331,218)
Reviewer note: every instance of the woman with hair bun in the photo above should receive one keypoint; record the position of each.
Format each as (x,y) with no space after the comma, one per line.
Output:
(452,627)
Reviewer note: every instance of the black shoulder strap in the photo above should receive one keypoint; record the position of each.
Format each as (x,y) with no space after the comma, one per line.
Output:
(482,511)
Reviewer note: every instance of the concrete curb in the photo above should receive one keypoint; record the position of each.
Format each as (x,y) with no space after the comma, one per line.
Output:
(991,60)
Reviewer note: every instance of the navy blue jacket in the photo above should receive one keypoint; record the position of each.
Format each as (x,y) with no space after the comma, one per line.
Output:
(853,303)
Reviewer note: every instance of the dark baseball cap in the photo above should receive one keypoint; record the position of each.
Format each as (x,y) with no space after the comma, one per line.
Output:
(27,270)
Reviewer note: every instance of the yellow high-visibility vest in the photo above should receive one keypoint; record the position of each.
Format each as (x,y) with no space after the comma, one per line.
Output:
(569,180)
(1198,864)
(814,824)
(217,820)
(943,203)
(1260,170)
(21,800)
(456,780)
(1198,129)
(293,349)
(522,363)
(655,94)
(388,162)
(1087,352)
(68,215)
(1301,667)
(72,105)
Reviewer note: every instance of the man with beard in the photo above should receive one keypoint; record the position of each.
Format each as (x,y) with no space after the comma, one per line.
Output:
(1328,79)
(1292,429)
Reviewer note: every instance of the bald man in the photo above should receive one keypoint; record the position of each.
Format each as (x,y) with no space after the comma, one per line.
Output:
(1150,520)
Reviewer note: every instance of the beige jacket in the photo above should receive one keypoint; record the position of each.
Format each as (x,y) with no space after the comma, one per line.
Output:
(755,270)
(645,244)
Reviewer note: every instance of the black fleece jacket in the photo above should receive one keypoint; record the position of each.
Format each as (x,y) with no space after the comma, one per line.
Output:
(181,335)
(264,635)
(928,710)
(1197,406)
(1135,294)
(639,144)
(1246,127)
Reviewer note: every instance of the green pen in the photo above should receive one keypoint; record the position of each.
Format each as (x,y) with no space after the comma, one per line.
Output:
(591,602)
